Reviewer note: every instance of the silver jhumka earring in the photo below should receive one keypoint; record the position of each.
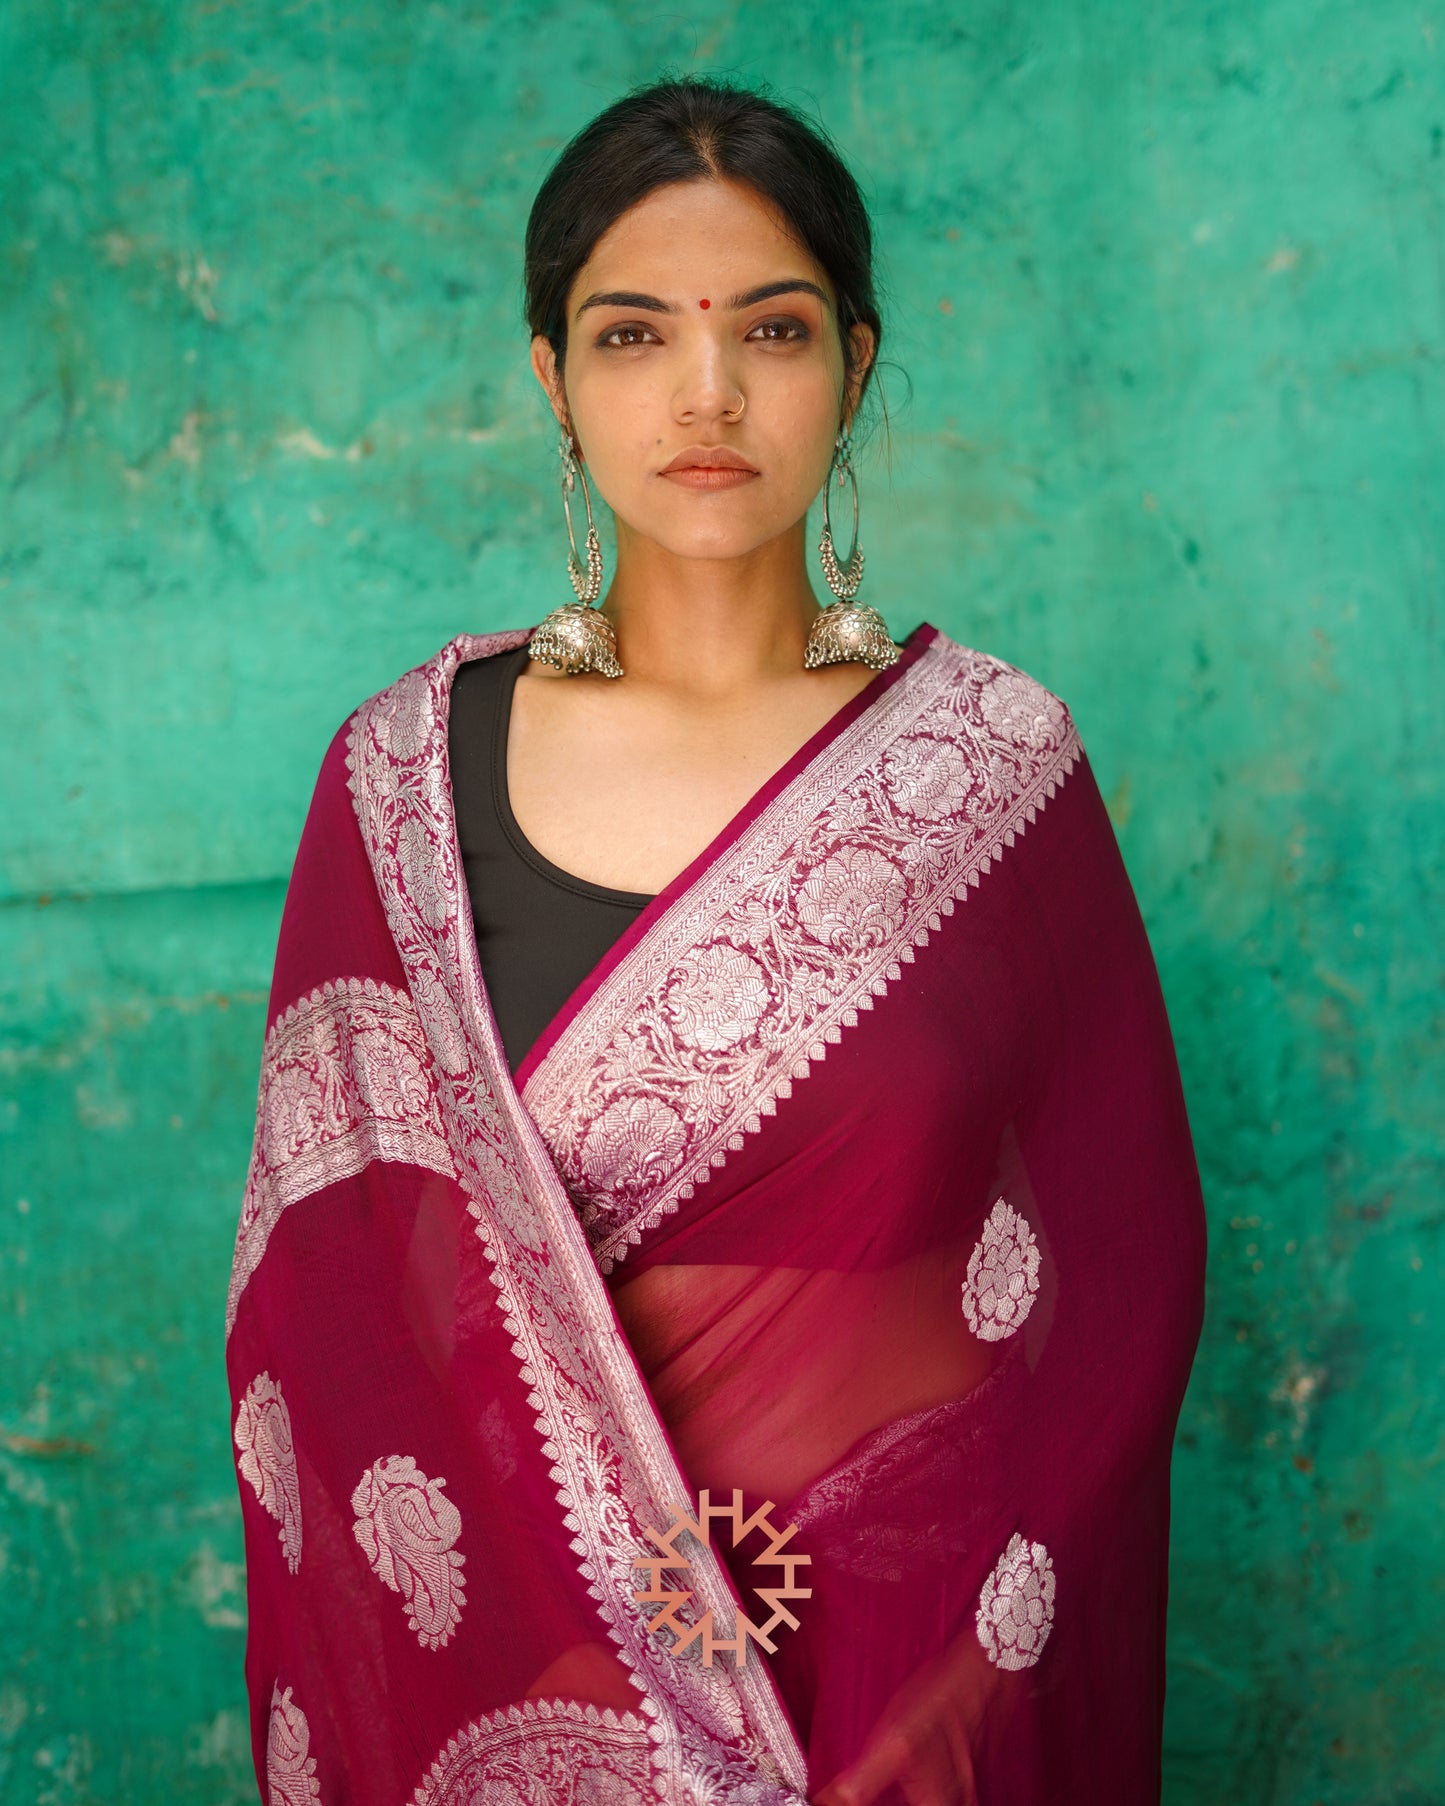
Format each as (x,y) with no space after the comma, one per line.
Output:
(846,631)
(577,637)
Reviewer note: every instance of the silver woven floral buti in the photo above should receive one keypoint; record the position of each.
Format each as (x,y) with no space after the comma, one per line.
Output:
(846,632)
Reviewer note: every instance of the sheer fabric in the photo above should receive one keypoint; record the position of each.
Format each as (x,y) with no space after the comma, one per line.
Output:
(855,1180)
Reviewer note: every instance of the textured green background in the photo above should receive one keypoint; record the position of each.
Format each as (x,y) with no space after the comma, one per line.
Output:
(1167,282)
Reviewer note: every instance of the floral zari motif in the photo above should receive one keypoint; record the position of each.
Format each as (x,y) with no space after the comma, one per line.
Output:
(1003,1275)
(699,1031)
(1016,1607)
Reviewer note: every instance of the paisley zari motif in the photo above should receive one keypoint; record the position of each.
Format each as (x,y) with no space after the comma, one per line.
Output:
(290,1768)
(408,1528)
(267,1458)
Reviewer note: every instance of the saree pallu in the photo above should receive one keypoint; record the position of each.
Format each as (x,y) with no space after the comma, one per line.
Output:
(854,1186)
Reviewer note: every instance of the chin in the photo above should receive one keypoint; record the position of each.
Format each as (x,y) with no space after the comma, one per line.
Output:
(731,545)
(716,538)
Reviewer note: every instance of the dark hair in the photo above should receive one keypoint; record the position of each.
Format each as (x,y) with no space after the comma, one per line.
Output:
(678,130)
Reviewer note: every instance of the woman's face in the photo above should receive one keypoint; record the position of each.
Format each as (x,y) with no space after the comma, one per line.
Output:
(668,332)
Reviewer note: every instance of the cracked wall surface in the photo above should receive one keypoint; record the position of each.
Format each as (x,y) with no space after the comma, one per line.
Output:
(1163,357)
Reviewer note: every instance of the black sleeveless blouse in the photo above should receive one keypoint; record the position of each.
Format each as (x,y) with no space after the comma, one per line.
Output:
(540,930)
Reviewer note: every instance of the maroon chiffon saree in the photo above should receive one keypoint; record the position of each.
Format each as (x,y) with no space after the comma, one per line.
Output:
(854,1183)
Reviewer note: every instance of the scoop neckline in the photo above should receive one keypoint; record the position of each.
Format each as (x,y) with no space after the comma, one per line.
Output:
(512,663)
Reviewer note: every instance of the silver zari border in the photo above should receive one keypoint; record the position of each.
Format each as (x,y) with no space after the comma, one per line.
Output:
(716,1731)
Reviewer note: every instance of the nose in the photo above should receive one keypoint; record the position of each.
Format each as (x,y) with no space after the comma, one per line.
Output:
(707,387)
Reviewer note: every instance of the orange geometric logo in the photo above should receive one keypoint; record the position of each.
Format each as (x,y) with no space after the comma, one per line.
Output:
(673,1599)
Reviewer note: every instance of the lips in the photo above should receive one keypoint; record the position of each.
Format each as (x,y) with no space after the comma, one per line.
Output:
(708,467)
(707,457)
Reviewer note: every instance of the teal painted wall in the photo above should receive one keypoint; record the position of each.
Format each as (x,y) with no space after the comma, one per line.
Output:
(1167,283)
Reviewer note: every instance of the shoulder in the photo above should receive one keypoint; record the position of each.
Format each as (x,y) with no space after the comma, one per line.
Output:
(404,717)
(437,672)
(987,695)
(419,691)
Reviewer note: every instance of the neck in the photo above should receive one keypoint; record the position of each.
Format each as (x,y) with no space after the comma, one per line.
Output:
(711,625)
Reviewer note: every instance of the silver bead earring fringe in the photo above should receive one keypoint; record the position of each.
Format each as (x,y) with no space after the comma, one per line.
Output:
(846,631)
(577,637)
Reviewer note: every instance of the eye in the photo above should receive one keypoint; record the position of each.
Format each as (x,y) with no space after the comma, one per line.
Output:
(790,330)
(610,338)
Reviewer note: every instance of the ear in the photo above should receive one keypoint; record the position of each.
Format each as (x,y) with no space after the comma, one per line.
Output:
(865,349)
(544,368)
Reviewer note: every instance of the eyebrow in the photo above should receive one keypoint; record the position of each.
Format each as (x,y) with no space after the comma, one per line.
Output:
(792,285)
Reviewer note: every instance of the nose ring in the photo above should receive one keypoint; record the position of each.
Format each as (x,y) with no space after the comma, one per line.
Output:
(742,403)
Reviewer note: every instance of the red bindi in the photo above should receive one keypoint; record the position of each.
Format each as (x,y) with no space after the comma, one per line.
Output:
(704,303)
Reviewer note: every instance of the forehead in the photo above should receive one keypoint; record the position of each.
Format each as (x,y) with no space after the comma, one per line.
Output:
(696,235)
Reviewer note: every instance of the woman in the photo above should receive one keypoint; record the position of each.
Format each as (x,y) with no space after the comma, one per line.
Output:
(715,1074)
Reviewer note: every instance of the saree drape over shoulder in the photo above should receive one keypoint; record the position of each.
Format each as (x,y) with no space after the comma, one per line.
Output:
(854,1186)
